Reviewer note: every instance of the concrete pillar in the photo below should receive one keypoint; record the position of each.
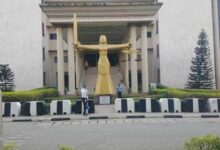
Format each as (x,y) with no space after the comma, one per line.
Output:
(144,55)
(77,70)
(71,62)
(126,71)
(216,42)
(134,80)
(60,61)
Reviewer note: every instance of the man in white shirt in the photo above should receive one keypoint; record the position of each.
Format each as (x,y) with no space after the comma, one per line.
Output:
(84,97)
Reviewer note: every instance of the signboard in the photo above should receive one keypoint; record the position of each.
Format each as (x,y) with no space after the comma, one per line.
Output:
(103,100)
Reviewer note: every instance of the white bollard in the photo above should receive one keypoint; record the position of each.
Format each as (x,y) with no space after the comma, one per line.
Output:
(177,105)
(15,109)
(65,107)
(164,105)
(118,105)
(172,105)
(195,105)
(121,107)
(213,105)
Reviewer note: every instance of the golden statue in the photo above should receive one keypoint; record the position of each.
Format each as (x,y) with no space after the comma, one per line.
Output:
(104,85)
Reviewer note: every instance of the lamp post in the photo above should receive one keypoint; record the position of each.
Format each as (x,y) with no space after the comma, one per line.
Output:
(1,124)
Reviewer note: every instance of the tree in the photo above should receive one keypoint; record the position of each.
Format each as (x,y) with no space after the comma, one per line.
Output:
(6,78)
(201,76)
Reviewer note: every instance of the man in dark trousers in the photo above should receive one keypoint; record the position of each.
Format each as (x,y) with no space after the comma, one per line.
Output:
(119,90)
(84,97)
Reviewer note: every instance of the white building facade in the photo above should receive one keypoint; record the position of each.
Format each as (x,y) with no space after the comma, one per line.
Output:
(21,41)
(164,32)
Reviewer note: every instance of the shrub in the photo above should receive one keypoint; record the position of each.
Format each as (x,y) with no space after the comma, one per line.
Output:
(208,142)
(32,95)
(10,146)
(64,147)
(178,93)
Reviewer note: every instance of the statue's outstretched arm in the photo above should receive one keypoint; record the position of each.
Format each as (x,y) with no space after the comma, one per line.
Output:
(87,47)
(119,46)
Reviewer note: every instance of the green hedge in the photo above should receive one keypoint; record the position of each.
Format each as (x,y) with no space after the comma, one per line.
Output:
(32,95)
(185,93)
(10,146)
(208,142)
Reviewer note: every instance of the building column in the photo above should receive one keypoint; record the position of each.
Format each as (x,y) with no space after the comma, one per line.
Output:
(71,62)
(216,42)
(134,80)
(60,60)
(126,73)
(77,70)
(144,55)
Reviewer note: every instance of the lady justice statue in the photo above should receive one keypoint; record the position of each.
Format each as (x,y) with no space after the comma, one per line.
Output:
(104,85)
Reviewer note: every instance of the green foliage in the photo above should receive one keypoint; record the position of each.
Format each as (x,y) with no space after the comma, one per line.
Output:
(208,142)
(32,95)
(201,76)
(182,93)
(71,98)
(161,86)
(6,78)
(10,146)
(64,147)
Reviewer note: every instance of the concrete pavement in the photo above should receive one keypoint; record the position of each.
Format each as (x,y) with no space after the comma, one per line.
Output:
(110,134)
(111,116)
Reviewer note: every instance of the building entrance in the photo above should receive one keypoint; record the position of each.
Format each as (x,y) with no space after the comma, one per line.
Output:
(93,58)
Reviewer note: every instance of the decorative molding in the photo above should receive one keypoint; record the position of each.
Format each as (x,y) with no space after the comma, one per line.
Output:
(102,19)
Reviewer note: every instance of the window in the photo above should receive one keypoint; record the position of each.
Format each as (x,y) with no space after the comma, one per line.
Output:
(55,59)
(56,79)
(139,57)
(43,54)
(65,59)
(42,29)
(158,75)
(44,78)
(158,51)
(149,34)
(53,36)
(157,27)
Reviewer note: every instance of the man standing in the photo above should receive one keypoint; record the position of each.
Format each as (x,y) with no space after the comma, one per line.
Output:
(119,90)
(84,97)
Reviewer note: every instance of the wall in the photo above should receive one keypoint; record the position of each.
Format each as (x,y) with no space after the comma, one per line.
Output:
(180,23)
(21,41)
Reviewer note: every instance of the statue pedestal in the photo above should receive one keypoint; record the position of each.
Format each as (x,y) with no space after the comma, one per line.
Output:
(104,99)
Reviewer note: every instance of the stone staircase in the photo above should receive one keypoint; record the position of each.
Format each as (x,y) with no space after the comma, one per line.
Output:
(90,77)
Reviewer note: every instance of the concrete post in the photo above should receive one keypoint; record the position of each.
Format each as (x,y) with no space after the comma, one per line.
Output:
(134,80)
(77,70)
(60,61)
(71,62)
(144,54)
(126,71)
(216,42)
